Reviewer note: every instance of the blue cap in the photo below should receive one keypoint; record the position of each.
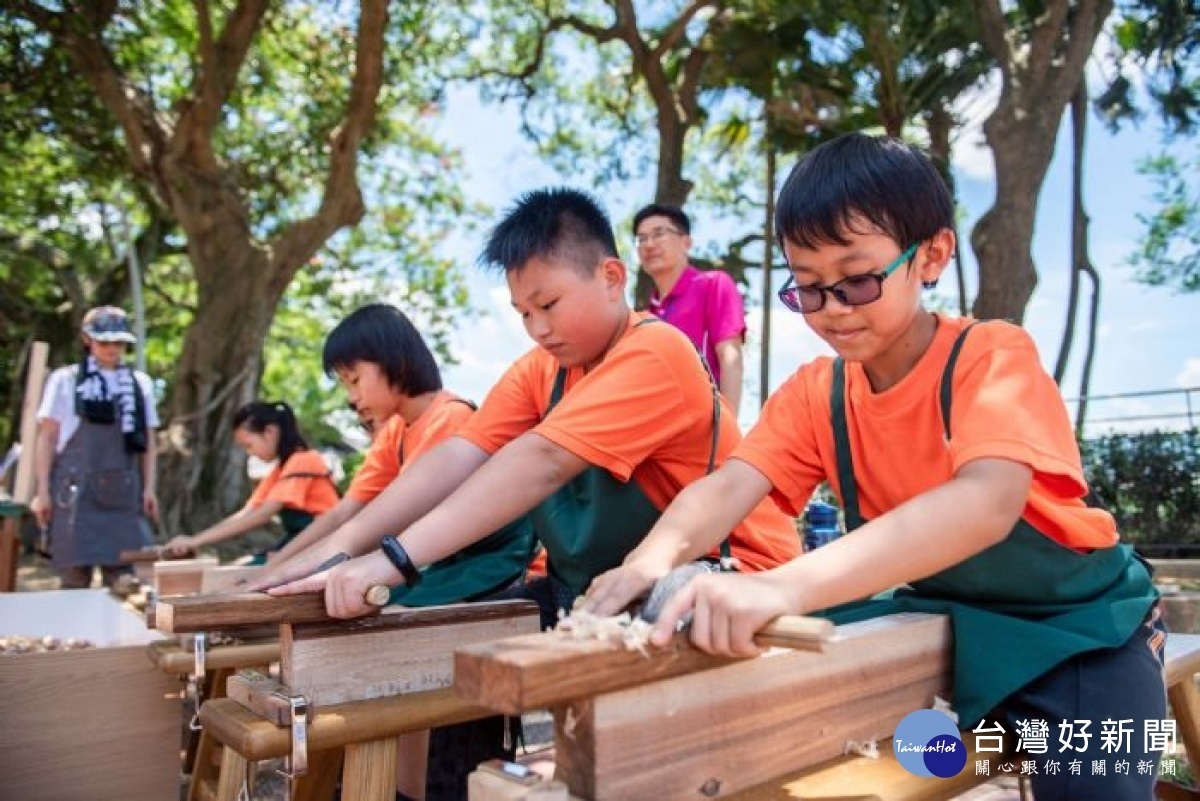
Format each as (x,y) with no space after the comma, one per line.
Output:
(108,324)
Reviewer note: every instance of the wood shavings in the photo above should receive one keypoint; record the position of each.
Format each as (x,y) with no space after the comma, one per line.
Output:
(633,633)
(16,644)
(943,706)
(867,748)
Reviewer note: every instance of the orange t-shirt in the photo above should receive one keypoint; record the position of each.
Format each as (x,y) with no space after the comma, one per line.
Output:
(1003,405)
(397,444)
(381,464)
(303,482)
(645,412)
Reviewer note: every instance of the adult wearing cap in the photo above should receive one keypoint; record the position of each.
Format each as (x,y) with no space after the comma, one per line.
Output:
(95,457)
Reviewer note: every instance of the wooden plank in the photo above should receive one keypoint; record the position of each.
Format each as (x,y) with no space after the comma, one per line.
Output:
(226,578)
(95,723)
(732,727)
(857,777)
(548,669)
(181,576)
(262,695)
(10,552)
(338,725)
(159,554)
(232,611)
(35,378)
(403,650)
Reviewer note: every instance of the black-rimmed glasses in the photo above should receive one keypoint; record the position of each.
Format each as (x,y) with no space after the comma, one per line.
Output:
(853,290)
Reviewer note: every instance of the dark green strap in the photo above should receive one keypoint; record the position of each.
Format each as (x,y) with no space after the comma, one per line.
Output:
(946,391)
(841,444)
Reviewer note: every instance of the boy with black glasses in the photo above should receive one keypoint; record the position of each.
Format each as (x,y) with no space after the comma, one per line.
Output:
(960,477)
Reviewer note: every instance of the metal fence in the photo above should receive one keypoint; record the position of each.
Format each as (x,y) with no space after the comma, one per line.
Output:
(1136,411)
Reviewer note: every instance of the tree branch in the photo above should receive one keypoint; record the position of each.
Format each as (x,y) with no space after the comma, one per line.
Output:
(342,202)
(993,30)
(1048,31)
(220,61)
(678,28)
(144,132)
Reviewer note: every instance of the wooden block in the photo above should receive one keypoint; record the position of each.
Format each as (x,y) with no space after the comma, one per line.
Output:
(181,576)
(403,650)
(369,773)
(338,725)
(735,726)
(226,578)
(232,611)
(496,780)
(262,695)
(548,669)
(35,378)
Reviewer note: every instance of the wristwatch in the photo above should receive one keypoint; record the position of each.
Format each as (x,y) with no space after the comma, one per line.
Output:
(396,554)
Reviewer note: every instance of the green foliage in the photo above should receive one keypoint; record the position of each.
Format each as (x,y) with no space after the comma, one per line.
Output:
(1168,253)
(1158,41)
(1150,482)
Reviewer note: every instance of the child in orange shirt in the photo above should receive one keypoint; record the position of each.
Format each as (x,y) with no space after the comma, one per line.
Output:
(297,489)
(592,433)
(960,477)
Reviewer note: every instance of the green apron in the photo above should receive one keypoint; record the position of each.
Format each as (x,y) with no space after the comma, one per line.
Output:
(293,521)
(477,571)
(1017,609)
(591,523)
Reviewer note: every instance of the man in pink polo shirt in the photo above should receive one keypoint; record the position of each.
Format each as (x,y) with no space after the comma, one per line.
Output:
(705,305)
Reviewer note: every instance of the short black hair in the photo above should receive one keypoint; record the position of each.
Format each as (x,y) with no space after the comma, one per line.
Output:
(381,334)
(856,182)
(557,223)
(257,415)
(672,213)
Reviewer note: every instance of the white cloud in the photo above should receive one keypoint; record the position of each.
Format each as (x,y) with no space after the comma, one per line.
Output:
(1189,376)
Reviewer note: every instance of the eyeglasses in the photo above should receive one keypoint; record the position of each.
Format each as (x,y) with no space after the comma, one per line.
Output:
(854,290)
(657,235)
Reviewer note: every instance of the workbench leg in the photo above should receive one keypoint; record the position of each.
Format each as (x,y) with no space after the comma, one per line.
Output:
(233,773)
(10,552)
(1185,706)
(370,771)
(319,784)
(200,756)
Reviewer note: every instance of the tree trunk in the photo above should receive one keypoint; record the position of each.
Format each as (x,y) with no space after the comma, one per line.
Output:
(1079,102)
(940,123)
(202,479)
(1042,60)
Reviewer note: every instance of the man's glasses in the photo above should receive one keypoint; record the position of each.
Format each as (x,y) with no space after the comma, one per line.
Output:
(657,235)
(854,290)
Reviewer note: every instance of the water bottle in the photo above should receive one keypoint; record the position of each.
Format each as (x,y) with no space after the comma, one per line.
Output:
(820,524)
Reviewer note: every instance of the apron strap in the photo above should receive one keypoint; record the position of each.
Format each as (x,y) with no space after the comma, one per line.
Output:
(841,445)
(946,390)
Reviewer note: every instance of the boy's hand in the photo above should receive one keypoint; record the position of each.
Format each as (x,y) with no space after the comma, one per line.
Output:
(346,584)
(727,609)
(42,508)
(612,591)
(180,544)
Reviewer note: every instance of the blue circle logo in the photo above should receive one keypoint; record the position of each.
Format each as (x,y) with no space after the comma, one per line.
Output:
(927,743)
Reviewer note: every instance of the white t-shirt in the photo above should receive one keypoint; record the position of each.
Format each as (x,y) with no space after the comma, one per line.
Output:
(58,400)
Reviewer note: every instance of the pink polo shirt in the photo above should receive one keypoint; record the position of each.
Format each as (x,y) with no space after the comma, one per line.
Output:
(705,305)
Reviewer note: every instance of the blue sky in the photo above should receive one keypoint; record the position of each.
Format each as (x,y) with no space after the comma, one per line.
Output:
(1149,338)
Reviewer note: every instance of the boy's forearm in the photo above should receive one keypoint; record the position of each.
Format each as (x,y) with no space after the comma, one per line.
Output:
(410,496)
(518,477)
(44,448)
(240,523)
(729,354)
(701,516)
(925,535)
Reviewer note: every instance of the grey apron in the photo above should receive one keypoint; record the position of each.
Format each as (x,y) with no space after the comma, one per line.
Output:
(96,489)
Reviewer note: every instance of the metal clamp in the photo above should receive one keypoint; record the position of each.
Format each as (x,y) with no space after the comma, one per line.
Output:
(195,682)
(297,761)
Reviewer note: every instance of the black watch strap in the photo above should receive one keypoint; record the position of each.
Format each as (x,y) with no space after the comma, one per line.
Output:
(396,554)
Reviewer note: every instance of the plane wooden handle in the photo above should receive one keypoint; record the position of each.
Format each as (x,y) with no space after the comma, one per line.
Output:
(798,632)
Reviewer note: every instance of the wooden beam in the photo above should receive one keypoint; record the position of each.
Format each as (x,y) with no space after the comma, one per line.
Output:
(736,726)
(403,650)
(187,615)
(35,378)
(548,669)
(171,657)
(152,555)
(335,726)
